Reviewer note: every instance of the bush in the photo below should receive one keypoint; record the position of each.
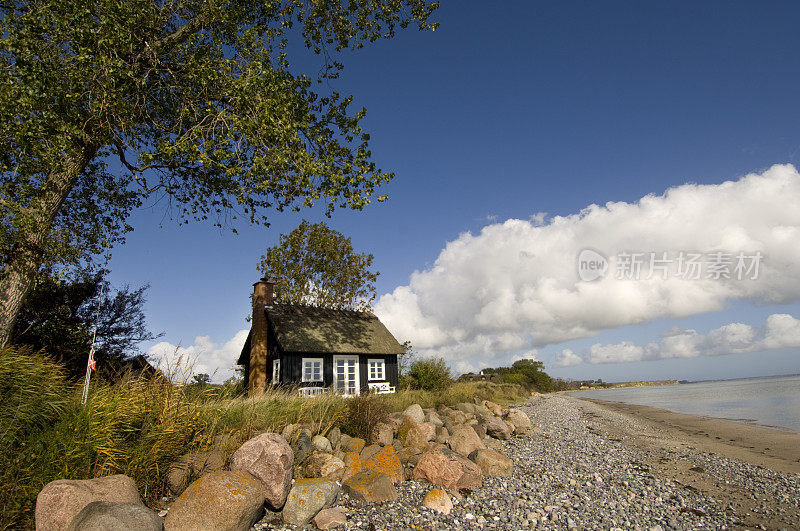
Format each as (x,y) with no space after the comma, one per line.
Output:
(430,374)
(364,412)
(515,378)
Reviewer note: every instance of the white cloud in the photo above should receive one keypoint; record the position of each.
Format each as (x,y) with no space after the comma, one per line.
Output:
(779,331)
(203,356)
(567,358)
(625,351)
(514,286)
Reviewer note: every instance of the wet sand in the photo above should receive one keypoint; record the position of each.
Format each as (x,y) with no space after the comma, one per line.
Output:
(772,448)
(676,442)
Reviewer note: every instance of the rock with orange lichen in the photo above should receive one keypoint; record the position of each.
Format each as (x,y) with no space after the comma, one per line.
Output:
(232,501)
(307,498)
(385,461)
(351,444)
(370,486)
(438,500)
(352,465)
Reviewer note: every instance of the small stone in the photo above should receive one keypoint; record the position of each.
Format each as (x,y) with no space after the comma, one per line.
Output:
(331,518)
(321,444)
(438,500)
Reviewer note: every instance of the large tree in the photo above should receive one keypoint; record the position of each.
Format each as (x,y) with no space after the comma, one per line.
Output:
(317,265)
(104,103)
(60,316)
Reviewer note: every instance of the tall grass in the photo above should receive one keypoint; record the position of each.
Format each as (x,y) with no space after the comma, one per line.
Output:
(458,392)
(138,427)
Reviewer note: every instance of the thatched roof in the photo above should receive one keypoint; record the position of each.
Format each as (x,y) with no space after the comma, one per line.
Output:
(310,329)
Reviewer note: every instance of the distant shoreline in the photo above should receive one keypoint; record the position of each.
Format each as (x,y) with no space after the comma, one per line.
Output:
(622,385)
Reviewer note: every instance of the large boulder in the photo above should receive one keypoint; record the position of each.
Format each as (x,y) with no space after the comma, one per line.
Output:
(351,444)
(415,413)
(61,500)
(331,518)
(191,466)
(466,408)
(370,486)
(480,430)
(102,516)
(438,500)
(307,498)
(334,436)
(320,465)
(230,501)
(520,420)
(492,462)
(442,435)
(352,465)
(464,440)
(382,434)
(448,469)
(385,461)
(434,419)
(412,434)
(321,444)
(269,459)
(496,409)
(497,428)
(301,445)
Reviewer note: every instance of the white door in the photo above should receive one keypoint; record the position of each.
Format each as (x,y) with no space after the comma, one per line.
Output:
(345,375)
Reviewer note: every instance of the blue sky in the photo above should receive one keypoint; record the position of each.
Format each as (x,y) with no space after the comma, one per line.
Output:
(505,113)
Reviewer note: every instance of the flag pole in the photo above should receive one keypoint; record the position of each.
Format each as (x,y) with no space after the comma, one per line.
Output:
(90,363)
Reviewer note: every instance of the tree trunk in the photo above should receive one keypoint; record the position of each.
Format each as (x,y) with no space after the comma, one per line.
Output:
(24,261)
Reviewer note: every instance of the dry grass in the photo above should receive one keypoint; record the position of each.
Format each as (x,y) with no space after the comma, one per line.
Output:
(138,427)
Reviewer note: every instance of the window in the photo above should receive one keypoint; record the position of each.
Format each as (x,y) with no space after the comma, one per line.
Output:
(376,370)
(312,369)
(276,371)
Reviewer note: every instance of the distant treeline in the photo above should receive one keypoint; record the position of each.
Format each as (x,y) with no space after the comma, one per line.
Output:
(531,374)
(528,373)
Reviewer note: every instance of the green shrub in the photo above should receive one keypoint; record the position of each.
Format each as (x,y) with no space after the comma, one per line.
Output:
(430,374)
(364,412)
(515,378)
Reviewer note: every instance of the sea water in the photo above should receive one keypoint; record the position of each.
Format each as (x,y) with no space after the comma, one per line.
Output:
(771,401)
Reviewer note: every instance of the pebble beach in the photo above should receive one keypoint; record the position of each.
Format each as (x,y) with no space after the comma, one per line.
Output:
(589,466)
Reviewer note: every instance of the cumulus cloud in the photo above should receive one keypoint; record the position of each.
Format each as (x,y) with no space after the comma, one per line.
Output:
(515,285)
(567,358)
(203,356)
(779,331)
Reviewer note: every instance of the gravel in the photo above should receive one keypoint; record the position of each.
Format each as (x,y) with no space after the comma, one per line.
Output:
(571,476)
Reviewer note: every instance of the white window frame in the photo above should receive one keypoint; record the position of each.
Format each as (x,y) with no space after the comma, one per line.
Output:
(312,361)
(276,371)
(380,365)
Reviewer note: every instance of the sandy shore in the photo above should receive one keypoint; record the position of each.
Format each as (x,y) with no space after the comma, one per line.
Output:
(674,442)
(778,450)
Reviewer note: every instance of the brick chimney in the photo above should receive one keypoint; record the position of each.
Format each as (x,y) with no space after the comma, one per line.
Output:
(257,377)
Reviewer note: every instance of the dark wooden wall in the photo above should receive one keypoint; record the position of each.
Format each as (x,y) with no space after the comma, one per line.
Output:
(292,368)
